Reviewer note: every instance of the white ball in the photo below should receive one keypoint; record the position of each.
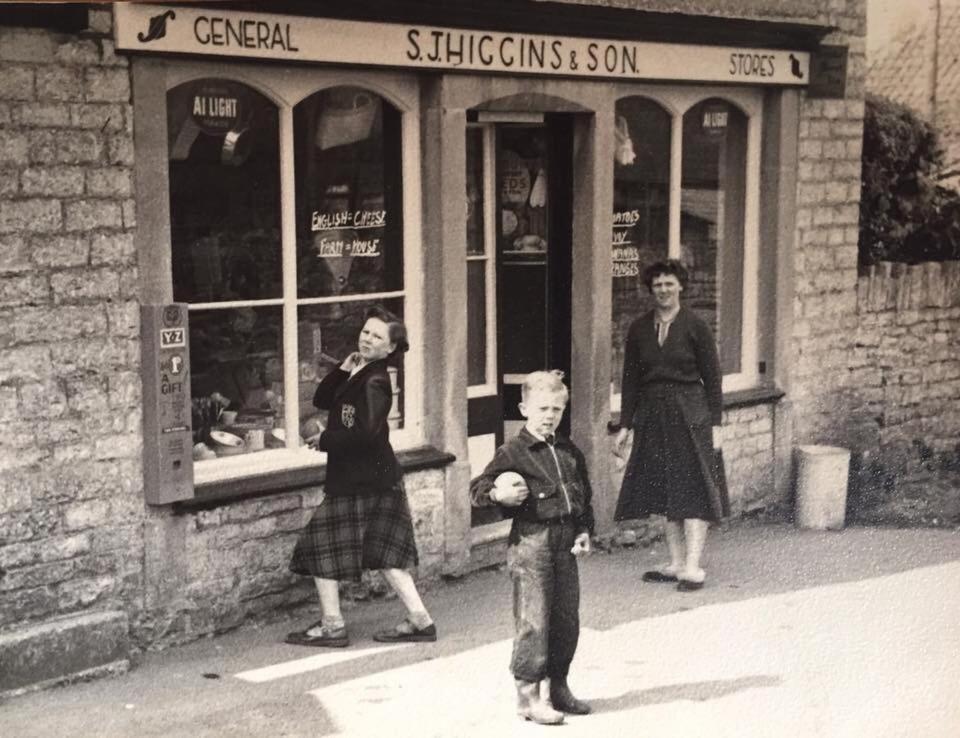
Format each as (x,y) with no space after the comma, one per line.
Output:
(507,479)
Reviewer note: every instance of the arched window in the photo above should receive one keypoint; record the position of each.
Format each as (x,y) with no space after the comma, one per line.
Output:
(641,194)
(286,224)
(712,196)
(686,186)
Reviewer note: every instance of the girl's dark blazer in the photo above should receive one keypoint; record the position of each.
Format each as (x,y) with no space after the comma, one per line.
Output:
(360,459)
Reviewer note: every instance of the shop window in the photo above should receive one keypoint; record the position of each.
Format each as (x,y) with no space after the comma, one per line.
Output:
(685,186)
(278,269)
(641,192)
(481,319)
(711,221)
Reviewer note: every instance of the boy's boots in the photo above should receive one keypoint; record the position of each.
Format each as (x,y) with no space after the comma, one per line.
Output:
(561,698)
(531,707)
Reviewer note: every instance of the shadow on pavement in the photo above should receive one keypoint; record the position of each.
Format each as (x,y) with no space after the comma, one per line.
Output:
(691,691)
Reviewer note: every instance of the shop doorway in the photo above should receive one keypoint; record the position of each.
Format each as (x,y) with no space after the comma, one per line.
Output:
(519,265)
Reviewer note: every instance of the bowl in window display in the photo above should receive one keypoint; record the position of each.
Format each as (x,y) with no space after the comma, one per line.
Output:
(226,444)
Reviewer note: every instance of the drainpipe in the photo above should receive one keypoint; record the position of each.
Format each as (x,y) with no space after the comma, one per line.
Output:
(933,57)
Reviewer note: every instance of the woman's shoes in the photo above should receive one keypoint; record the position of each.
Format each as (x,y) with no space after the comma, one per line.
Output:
(685,585)
(658,577)
(327,637)
(407,632)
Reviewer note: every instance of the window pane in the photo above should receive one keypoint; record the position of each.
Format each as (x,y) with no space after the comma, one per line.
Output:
(475,202)
(349,195)
(327,335)
(641,189)
(522,178)
(224,192)
(236,361)
(476,322)
(711,221)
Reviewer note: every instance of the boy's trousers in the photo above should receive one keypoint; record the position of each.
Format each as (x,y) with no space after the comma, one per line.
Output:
(546,598)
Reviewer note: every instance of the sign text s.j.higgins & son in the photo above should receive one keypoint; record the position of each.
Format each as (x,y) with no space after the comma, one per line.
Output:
(214,32)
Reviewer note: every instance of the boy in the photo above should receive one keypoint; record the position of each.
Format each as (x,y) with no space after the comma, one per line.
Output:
(541,482)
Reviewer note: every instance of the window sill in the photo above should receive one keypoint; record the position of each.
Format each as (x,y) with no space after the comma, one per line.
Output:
(731,400)
(214,493)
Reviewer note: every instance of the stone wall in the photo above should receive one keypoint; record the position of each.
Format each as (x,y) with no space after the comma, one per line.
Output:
(748,449)
(825,318)
(71,498)
(211,570)
(905,369)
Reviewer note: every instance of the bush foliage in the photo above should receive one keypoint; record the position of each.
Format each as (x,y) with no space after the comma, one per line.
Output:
(905,215)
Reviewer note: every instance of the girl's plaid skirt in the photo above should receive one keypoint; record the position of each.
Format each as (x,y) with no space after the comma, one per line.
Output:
(350,533)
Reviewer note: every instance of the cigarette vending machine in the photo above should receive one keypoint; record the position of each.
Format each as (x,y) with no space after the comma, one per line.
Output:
(167,421)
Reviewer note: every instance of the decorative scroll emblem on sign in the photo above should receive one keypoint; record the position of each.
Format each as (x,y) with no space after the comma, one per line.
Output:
(348,415)
(157,28)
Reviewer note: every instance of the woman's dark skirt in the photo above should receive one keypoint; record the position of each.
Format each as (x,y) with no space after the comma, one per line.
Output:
(350,533)
(672,469)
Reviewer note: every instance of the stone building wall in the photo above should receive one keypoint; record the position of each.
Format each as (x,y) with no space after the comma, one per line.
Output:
(71,499)
(906,365)
(207,571)
(825,255)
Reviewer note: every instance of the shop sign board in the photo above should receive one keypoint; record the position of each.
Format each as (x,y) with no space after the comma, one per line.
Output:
(175,29)
(167,420)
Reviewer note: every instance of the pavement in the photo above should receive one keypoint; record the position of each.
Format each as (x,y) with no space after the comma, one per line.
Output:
(797,633)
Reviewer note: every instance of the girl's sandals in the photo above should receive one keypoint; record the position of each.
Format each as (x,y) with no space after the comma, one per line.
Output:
(329,638)
(407,632)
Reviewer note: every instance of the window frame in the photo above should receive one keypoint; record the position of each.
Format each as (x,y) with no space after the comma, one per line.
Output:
(285,87)
(676,102)
(489,257)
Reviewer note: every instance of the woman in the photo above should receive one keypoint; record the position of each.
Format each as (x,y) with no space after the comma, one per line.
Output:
(364,519)
(672,400)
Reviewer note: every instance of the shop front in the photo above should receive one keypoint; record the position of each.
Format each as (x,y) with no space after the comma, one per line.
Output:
(501,190)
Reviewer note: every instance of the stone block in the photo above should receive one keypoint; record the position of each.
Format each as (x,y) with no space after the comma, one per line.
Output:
(87,514)
(311,498)
(23,289)
(44,399)
(72,453)
(42,115)
(107,84)
(81,52)
(120,149)
(34,216)
(85,284)
(59,83)
(60,251)
(254,509)
(123,319)
(84,592)
(101,21)
(87,215)
(40,575)
(129,283)
(123,446)
(9,180)
(110,182)
(14,147)
(91,355)
(16,82)
(63,181)
(124,389)
(26,45)
(99,116)
(109,57)
(130,213)
(18,610)
(72,146)
(87,395)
